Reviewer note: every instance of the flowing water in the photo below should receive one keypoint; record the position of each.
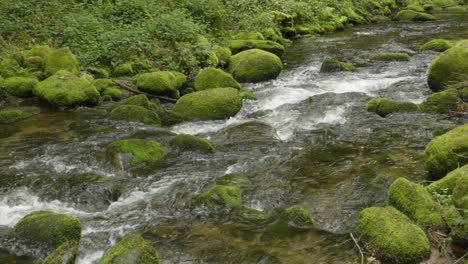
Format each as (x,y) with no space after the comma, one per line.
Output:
(307,140)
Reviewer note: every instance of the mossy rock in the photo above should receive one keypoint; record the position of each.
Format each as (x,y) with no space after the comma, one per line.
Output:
(460,194)
(99,73)
(160,83)
(138,100)
(186,142)
(274,35)
(124,69)
(390,236)
(255,66)
(439,45)
(441,103)
(415,7)
(47,228)
(210,104)
(223,54)
(136,114)
(450,67)
(249,36)
(67,90)
(131,249)
(38,51)
(10,68)
(447,152)
(234,179)
(20,86)
(114,92)
(249,216)
(446,185)
(65,254)
(220,195)
(410,15)
(102,84)
(170,117)
(210,78)
(333,65)
(61,59)
(386,56)
(297,217)
(237,46)
(246,94)
(141,150)
(416,202)
(34,63)
(13,115)
(385,106)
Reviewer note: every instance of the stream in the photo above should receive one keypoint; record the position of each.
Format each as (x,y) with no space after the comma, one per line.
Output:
(307,140)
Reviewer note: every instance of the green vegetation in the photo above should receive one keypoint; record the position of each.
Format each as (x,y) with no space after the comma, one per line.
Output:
(220,195)
(297,216)
(160,83)
(237,46)
(334,65)
(385,106)
(210,78)
(441,103)
(132,248)
(20,86)
(60,59)
(255,65)
(186,142)
(410,15)
(141,150)
(449,182)
(386,56)
(136,114)
(439,45)
(13,115)
(65,254)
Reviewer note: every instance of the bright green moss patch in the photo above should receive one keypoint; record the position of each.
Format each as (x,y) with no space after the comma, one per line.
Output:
(449,68)
(186,142)
(102,84)
(333,65)
(255,66)
(249,36)
(47,228)
(138,100)
(12,116)
(210,104)
(99,73)
(246,94)
(410,15)
(446,185)
(390,236)
(40,51)
(460,194)
(297,216)
(385,106)
(10,68)
(223,54)
(220,195)
(386,56)
(65,254)
(237,46)
(34,63)
(60,59)
(160,83)
(20,86)
(137,114)
(440,103)
(132,248)
(210,78)
(447,152)
(170,117)
(141,150)
(249,216)
(439,45)
(114,92)
(124,69)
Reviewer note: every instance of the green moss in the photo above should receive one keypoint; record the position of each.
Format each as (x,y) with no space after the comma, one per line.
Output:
(65,89)
(249,36)
(60,59)
(141,150)
(224,55)
(132,248)
(210,78)
(449,68)
(65,254)
(10,68)
(220,195)
(20,86)
(440,103)
(170,117)
(447,152)
(410,15)
(386,56)
(186,142)
(12,116)
(274,35)
(160,83)
(34,63)
(446,185)
(138,100)
(136,114)
(255,66)
(38,51)
(246,94)
(47,228)
(210,104)
(237,46)
(281,18)
(250,216)
(439,45)
(460,194)
(114,92)
(297,216)
(124,69)
(102,84)
(333,65)
(416,202)
(99,73)
(415,7)
(391,236)
(385,106)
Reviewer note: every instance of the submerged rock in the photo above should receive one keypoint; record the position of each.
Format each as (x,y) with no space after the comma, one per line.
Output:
(211,78)
(297,217)
(441,103)
(140,151)
(14,115)
(237,46)
(136,114)
(333,65)
(65,254)
(20,86)
(449,68)
(387,56)
(220,195)
(255,66)
(186,142)
(132,249)
(161,83)
(410,15)
(385,106)
(390,236)
(61,59)
(439,45)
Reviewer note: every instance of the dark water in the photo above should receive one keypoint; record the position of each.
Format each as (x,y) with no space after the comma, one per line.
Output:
(307,140)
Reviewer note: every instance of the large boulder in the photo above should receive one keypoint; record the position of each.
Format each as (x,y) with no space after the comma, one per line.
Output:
(255,65)
(136,114)
(61,59)
(140,151)
(220,195)
(449,68)
(20,86)
(410,15)
(210,104)
(132,249)
(384,106)
(390,236)
(439,45)
(447,152)
(66,89)
(184,142)
(161,83)
(334,65)
(441,103)
(237,46)
(211,78)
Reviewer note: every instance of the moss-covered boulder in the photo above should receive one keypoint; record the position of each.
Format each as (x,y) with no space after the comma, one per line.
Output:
(248,216)
(132,249)
(124,69)
(390,236)
(65,89)
(102,84)
(237,46)
(441,103)
(13,115)
(99,73)
(387,56)
(410,15)
(385,106)
(249,36)
(139,100)
(220,195)
(416,202)
(446,185)
(247,94)
(210,104)
(160,83)
(20,86)
(334,65)
(460,194)
(447,152)
(186,142)
(439,45)
(223,54)
(136,114)
(297,217)
(10,68)
(140,150)
(113,92)
(61,59)
(65,254)
(170,117)
(449,68)
(255,66)
(34,63)
(47,228)
(210,78)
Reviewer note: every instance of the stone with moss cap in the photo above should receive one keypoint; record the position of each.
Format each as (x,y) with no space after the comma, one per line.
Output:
(410,15)
(160,83)
(387,56)
(237,46)
(247,94)
(186,142)
(65,254)
(249,216)
(10,68)
(460,194)
(223,54)
(20,86)
(447,152)
(255,66)
(137,114)
(210,78)
(449,68)
(446,185)
(139,100)
(13,115)
(439,45)
(99,73)
(441,103)
(131,249)
(384,106)
(139,149)
(61,59)
(334,65)
(252,35)
(390,236)
(113,92)
(210,104)
(34,63)
(38,51)
(297,217)
(220,195)
(47,228)
(124,69)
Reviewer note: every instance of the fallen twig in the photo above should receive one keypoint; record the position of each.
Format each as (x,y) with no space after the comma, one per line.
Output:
(460,259)
(360,250)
